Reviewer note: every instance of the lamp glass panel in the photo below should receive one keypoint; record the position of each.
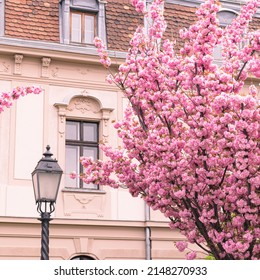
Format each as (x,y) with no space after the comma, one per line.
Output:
(35,186)
(49,184)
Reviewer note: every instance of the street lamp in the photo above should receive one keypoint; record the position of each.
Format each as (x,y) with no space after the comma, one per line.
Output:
(46,179)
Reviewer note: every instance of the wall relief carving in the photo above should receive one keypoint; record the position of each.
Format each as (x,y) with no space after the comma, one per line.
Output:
(18,59)
(4,67)
(86,204)
(84,105)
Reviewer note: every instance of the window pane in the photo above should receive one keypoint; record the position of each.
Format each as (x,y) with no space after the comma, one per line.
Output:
(90,132)
(72,164)
(226,17)
(217,54)
(90,152)
(76,28)
(89,29)
(72,130)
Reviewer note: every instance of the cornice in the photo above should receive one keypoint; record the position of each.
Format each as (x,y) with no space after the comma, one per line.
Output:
(55,50)
(83,222)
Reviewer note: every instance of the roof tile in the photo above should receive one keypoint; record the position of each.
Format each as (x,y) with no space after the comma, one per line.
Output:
(28,18)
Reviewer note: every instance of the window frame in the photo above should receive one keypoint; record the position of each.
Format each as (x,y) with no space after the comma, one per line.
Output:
(92,6)
(81,143)
(83,31)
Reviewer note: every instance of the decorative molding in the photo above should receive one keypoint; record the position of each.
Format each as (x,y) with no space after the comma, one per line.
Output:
(18,59)
(84,93)
(62,120)
(4,67)
(84,71)
(84,200)
(84,105)
(46,61)
(85,204)
(105,128)
(55,72)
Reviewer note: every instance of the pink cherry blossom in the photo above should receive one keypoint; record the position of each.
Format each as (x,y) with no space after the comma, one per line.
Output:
(104,59)
(181,245)
(190,138)
(6,98)
(73,175)
(191,255)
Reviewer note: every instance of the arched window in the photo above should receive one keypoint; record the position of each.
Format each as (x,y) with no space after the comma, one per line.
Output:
(82,258)
(225,18)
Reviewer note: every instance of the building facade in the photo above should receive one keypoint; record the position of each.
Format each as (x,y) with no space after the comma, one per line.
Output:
(49,43)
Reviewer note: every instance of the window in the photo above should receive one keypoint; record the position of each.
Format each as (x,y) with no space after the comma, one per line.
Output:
(83,258)
(225,18)
(81,21)
(81,140)
(82,27)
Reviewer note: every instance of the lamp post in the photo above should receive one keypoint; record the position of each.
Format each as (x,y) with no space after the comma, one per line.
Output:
(46,179)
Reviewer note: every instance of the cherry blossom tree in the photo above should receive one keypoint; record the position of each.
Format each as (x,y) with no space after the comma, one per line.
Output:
(7,98)
(191,140)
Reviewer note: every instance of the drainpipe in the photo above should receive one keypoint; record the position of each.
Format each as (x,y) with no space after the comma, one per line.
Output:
(148,242)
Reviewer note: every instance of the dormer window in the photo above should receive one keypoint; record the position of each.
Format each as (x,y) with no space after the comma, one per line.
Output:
(81,21)
(225,18)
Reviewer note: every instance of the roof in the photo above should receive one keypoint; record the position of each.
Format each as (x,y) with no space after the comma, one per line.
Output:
(178,17)
(34,20)
(39,20)
(121,21)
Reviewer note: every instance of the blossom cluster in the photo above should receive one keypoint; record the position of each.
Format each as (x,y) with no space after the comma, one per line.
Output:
(139,5)
(6,98)
(190,139)
(104,58)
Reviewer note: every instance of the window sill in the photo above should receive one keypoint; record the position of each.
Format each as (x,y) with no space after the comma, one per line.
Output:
(76,190)
(78,44)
